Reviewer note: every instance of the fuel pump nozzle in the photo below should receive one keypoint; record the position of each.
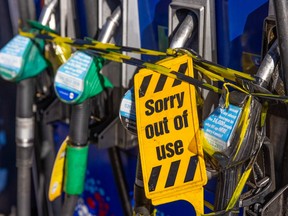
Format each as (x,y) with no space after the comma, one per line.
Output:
(25,126)
(77,150)
(24,144)
(229,177)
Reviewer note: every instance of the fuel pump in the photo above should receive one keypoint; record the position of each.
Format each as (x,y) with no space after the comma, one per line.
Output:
(277,21)
(108,30)
(231,170)
(28,63)
(238,118)
(78,90)
(274,80)
(143,206)
(264,174)
(27,73)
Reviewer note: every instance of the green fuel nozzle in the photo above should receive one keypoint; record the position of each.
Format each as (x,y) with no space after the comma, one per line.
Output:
(80,78)
(22,57)
(76,81)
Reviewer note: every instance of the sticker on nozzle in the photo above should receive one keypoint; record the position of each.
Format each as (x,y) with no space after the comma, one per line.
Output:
(127,111)
(70,77)
(12,56)
(219,127)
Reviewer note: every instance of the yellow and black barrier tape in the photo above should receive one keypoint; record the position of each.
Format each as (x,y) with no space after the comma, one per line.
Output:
(112,52)
(88,43)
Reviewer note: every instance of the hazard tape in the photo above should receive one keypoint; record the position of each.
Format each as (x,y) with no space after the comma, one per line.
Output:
(111,52)
(88,43)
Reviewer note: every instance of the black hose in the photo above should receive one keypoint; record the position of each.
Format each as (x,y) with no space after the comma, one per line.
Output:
(281,11)
(24,157)
(23,191)
(78,132)
(69,205)
(78,136)
(143,205)
(118,173)
(25,98)
(24,144)
(227,182)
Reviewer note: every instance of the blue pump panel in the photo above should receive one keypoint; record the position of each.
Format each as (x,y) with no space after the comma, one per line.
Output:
(153,22)
(239,33)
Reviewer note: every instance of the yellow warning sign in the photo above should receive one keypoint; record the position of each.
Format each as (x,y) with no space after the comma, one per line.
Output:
(167,123)
(55,188)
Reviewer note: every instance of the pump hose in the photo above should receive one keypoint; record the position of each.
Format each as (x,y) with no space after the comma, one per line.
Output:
(227,182)
(143,206)
(78,135)
(24,101)
(24,144)
(24,163)
(69,205)
(78,131)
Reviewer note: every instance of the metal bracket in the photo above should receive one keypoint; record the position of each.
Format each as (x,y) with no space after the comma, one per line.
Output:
(56,111)
(112,135)
(265,185)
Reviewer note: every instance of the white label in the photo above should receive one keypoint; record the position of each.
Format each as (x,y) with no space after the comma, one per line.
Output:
(72,82)
(12,56)
(70,77)
(220,126)
(13,61)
